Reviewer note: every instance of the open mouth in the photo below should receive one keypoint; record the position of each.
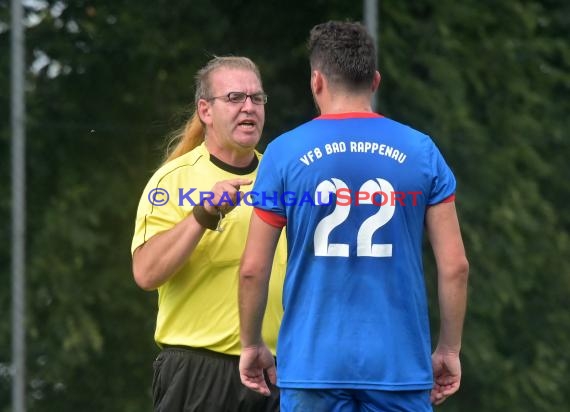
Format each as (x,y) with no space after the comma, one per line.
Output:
(247,124)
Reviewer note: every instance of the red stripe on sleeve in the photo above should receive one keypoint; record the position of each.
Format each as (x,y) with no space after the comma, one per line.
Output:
(271,218)
(449,199)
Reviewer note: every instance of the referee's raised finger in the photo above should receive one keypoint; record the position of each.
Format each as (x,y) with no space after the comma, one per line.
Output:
(238,182)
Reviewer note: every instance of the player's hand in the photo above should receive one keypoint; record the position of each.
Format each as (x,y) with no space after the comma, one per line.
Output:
(446,374)
(254,362)
(225,195)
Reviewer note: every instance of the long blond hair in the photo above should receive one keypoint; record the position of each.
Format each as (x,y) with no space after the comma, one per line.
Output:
(193,133)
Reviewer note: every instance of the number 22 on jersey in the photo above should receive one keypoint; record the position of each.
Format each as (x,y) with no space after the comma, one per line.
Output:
(364,245)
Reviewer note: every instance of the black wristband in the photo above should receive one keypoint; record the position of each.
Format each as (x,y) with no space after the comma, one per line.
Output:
(206,219)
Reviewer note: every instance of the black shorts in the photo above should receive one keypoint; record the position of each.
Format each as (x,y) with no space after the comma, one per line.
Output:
(199,380)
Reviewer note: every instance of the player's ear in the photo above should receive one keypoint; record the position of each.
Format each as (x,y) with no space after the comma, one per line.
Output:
(376,81)
(317,82)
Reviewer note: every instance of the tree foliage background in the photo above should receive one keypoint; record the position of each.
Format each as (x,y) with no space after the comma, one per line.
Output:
(107,80)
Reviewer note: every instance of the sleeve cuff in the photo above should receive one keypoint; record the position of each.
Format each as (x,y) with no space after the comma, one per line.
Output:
(272,219)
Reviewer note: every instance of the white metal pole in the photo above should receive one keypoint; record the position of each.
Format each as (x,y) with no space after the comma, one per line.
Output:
(18,208)
(371,23)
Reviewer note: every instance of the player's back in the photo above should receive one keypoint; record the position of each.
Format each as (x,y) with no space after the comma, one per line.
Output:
(356,187)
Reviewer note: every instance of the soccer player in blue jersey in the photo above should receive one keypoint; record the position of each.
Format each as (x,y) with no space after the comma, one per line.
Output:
(360,190)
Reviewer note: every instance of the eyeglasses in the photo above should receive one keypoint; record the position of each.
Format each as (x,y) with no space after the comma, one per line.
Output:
(240,97)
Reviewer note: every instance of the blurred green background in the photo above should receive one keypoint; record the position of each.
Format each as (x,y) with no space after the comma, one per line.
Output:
(107,80)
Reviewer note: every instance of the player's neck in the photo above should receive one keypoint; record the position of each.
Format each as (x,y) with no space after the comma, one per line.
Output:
(345,104)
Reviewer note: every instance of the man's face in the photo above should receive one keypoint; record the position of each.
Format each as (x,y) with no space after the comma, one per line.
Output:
(233,126)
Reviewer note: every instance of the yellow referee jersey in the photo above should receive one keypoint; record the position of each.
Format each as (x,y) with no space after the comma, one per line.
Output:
(198,306)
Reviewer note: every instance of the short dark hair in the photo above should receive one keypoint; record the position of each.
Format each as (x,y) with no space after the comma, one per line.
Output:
(344,52)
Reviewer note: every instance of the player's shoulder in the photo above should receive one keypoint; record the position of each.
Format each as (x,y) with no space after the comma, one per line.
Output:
(404,129)
(290,137)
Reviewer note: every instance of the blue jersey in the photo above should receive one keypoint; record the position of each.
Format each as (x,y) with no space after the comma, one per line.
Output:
(353,190)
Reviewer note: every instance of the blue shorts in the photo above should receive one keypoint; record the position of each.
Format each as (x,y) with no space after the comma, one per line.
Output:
(354,400)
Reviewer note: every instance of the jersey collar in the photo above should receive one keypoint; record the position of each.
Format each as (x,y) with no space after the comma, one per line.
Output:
(349,115)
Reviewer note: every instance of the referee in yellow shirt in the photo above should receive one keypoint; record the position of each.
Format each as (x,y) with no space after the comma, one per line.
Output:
(190,232)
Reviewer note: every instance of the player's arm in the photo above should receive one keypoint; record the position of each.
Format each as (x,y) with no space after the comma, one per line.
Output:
(452,269)
(255,270)
(159,258)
